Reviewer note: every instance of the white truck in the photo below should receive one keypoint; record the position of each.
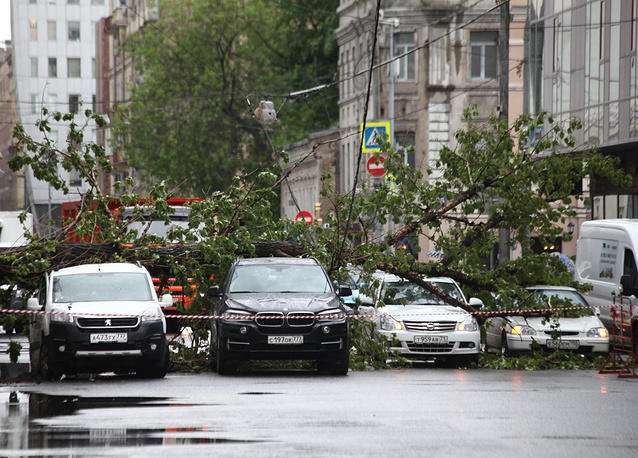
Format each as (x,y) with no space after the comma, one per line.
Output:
(13,232)
(606,260)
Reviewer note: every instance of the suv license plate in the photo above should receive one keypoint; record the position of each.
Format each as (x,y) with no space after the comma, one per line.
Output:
(110,337)
(430,339)
(285,340)
(563,344)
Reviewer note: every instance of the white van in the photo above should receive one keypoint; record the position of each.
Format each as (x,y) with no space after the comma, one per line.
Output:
(606,259)
(12,232)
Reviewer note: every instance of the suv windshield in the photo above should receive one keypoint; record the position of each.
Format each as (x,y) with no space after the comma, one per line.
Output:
(98,287)
(407,293)
(279,279)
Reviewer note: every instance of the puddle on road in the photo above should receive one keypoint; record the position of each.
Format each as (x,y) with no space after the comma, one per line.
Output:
(19,431)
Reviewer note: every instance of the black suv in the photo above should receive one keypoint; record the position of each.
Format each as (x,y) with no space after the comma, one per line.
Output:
(279,308)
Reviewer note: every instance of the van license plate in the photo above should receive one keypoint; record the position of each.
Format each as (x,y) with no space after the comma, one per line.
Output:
(285,340)
(430,339)
(110,337)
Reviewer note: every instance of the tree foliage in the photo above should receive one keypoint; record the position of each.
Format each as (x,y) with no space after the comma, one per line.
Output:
(203,67)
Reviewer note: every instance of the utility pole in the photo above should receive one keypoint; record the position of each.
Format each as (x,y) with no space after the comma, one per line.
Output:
(503,97)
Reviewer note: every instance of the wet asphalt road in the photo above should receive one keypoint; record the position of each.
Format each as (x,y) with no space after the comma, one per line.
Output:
(402,412)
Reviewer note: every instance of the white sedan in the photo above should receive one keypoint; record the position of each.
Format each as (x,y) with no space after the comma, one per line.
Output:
(419,325)
(516,334)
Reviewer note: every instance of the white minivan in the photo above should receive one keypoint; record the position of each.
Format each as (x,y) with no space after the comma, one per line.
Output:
(97,318)
(606,260)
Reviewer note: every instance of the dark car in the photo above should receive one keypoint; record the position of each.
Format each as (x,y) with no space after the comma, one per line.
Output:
(279,308)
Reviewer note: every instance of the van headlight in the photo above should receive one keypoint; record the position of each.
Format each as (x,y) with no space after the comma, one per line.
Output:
(62,317)
(390,324)
(469,324)
(151,315)
(598,332)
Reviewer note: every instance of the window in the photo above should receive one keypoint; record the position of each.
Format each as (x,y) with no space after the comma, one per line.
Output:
(629,268)
(93,68)
(93,103)
(73,30)
(601,31)
(34,103)
(557,48)
(97,2)
(73,2)
(74,103)
(74,67)
(483,55)
(74,178)
(52,33)
(34,67)
(33,29)
(404,42)
(53,67)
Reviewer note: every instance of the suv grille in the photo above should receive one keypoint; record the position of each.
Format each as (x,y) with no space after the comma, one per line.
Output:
(108,322)
(436,326)
(300,319)
(430,348)
(270,319)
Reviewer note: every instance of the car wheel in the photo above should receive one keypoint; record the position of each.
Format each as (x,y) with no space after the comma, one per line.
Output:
(336,366)
(224,365)
(45,370)
(155,369)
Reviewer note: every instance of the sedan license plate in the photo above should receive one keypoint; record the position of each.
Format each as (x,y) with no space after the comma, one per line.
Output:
(563,344)
(285,340)
(109,337)
(430,339)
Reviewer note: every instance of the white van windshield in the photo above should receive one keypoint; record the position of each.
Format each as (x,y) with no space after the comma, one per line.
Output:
(101,287)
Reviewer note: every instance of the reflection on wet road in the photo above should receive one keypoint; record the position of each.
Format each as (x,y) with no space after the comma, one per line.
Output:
(413,412)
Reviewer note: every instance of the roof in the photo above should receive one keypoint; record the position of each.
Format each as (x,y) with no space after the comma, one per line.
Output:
(277,260)
(96,268)
(628,226)
(551,288)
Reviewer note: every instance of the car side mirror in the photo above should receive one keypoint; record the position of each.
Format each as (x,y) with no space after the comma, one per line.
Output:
(476,303)
(167,300)
(344,291)
(214,291)
(33,304)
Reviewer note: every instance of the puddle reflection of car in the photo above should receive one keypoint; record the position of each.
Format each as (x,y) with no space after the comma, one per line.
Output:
(99,317)
(279,308)
(516,334)
(421,326)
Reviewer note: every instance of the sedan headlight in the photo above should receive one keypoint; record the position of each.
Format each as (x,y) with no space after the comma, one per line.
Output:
(151,315)
(331,315)
(62,317)
(469,324)
(598,332)
(236,315)
(390,324)
(522,330)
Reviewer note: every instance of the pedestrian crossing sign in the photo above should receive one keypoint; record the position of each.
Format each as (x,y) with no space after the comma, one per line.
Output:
(374,134)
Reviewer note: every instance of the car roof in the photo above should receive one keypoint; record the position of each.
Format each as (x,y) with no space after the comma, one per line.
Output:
(551,288)
(98,268)
(276,260)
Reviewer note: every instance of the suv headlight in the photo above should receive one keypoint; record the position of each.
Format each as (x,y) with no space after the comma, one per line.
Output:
(390,324)
(236,315)
(151,315)
(62,317)
(469,324)
(522,330)
(598,332)
(331,315)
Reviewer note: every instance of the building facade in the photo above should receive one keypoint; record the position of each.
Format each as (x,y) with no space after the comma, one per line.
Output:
(582,56)
(54,66)
(11,183)
(424,94)
(116,67)
(302,189)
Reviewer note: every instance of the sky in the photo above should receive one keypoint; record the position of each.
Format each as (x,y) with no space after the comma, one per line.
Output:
(5,20)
